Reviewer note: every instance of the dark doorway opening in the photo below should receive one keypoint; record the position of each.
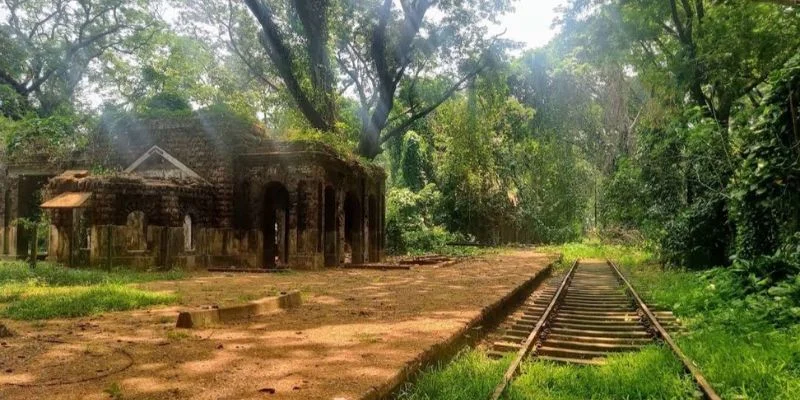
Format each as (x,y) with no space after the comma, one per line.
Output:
(353,229)
(374,229)
(6,220)
(276,225)
(28,201)
(330,224)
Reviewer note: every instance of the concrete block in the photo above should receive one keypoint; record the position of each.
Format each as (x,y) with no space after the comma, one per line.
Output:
(215,316)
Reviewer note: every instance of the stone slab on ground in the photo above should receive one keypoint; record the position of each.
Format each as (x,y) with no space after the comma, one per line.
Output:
(356,330)
(220,315)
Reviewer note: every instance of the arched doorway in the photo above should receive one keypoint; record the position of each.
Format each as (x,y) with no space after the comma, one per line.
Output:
(353,229)
(329,222)
(276,225)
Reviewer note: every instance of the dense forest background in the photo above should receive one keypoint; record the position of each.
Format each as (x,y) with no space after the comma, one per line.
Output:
(668,124)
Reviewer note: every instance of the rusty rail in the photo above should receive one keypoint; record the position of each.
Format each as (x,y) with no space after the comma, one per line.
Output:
(513,369)
(702,383)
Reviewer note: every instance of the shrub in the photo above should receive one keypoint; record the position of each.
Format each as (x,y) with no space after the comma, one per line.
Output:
(700,236)
(411,221)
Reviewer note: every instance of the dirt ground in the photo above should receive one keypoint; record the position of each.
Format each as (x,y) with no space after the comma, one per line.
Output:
(355,329)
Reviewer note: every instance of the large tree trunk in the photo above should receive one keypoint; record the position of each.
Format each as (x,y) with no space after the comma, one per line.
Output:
(369,143)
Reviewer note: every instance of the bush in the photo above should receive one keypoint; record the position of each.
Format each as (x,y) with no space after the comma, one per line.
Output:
(765,190)
(411,221)
(700,236)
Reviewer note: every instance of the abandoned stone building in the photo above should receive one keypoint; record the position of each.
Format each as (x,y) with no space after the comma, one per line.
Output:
(199,192)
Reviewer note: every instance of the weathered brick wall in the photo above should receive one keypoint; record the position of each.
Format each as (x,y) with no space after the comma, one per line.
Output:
(305,175)
(206,147)
(163,203)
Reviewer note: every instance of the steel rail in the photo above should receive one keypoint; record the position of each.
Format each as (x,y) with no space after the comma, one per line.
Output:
(513,369)
(702,383)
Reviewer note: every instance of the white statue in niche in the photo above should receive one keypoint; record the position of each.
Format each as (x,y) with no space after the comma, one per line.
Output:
(135,231)
(188,244)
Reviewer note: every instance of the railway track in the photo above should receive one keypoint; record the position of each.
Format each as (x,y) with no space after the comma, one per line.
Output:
(581,318)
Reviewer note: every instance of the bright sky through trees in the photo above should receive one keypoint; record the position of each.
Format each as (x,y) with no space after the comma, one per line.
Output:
(532,22)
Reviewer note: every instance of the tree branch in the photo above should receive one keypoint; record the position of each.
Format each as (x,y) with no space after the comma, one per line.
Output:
(427,110)
(280,55)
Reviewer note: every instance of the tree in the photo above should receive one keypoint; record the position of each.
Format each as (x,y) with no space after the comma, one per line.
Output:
(376,49)
(712,53)
(48,46)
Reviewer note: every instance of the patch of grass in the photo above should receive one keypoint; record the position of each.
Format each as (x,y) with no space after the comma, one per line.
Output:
(652,373)
(595,249)
(470,376)
(369,338)
(55,275)
(114,391)
(77,301)
(177,335)
(738,349)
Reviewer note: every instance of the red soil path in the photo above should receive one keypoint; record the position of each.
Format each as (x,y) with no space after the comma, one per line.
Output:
(355,330)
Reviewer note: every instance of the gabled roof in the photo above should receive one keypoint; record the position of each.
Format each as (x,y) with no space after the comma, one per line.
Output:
(159,152)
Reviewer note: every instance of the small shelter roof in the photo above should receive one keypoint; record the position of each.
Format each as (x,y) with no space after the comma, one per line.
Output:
(68,200)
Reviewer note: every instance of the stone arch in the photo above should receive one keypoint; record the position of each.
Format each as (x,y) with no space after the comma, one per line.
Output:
(276,225)
(135,230)
(353,229)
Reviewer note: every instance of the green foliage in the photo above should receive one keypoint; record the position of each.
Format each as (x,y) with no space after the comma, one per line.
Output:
(414,162)
(699,236)
(623,199)
(743,341)
(51,291)
(765,190)
(49,48)
(651,373)
(166,101)
(593,249)
(55,275)
(53,139)
(412,221)
(12,105)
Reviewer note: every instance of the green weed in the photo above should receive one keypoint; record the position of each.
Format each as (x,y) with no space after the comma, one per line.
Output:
(730,337)
(652,373)
(596,250)
(177,335)
(470,376)
(114,391)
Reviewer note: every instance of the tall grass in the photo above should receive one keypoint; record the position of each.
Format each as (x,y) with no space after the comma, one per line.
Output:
(741,352)
(595,249)
(471,376)
(78,301)
(652,373)
(55,275)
